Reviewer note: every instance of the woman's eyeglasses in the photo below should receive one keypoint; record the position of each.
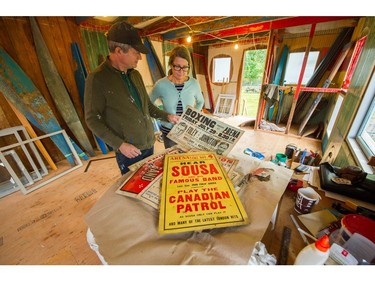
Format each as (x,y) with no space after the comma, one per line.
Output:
(183,68)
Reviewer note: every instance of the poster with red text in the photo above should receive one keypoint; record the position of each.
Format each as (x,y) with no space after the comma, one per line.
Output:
(150,194)
(144,173)
(197,194)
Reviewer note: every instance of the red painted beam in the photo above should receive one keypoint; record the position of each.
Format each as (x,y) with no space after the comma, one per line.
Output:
(297,21)
(265,26)
(315,90)
(321,90)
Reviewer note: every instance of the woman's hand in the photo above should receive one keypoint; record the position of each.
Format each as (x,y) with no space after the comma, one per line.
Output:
(173,118)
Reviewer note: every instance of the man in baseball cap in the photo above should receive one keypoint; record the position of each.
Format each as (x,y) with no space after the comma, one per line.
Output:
(117,107)
(123,32)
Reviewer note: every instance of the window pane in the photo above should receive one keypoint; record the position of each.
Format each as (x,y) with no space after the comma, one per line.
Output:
(366,134)
(221,69)
(361,135)
(294,66)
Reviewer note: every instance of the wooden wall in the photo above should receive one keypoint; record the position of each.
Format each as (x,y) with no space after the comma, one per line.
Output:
(96,47)
(321,43)
(337,145)
(58,32)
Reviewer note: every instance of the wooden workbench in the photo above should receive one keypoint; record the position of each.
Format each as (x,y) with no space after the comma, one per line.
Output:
(273,238)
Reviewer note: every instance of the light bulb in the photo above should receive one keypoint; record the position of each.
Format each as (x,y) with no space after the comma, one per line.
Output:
(236,46)
(188,39)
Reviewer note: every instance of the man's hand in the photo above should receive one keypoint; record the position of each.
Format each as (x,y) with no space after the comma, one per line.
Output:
(129,150)
(173,118)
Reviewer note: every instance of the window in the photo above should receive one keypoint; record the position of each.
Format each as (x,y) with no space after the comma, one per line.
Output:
(366,134)
(224,105)
(362,133)
(221,69)
(294,65)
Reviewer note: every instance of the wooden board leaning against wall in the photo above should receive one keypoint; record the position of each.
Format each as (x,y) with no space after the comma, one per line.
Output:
(60,32)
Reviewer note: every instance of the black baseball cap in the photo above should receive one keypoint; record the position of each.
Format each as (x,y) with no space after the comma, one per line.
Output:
(123,32)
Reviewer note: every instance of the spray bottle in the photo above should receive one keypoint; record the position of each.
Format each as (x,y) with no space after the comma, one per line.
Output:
(314,254)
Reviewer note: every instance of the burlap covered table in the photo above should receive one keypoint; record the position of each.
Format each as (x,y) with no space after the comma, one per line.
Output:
(126,230)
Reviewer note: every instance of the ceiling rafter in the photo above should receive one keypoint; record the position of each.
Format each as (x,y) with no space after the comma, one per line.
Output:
(217,25)
(170,23)
(213,29)
(248,40)
(257,27)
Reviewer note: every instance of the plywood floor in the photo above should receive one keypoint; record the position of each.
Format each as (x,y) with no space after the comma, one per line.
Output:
(46,226)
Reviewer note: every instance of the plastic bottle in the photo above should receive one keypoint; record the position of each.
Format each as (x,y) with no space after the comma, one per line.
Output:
(315,253)
(302,160)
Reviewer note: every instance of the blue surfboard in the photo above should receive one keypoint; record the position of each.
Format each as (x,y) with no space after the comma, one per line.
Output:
(24,95)
(80,75)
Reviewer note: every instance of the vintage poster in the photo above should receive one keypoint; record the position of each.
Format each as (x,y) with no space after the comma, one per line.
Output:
(151,193)
(146,172)
(197,194)
(229,164)
(156,156)
(139,179)
(203,132)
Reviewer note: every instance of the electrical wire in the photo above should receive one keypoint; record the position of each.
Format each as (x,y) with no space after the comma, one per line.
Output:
(213,36)
(183,23)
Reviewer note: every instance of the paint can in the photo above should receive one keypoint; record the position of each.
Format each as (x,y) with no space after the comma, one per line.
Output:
(281,158)
(290,149)
(307,197)
(354,223)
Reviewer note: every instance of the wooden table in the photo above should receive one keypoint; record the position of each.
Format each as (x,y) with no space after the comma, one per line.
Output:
(273,237)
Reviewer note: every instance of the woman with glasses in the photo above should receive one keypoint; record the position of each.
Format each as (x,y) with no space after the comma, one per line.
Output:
(177,90)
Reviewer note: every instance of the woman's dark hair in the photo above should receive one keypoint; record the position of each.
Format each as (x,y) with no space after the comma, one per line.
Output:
(179,51)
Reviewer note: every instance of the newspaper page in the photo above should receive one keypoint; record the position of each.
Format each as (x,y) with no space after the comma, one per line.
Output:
(203,132)
(151,193)
(197,194)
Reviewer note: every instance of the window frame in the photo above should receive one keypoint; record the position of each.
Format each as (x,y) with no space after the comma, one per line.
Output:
(305,78)
(356,144)
(225,105)
(212,69)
